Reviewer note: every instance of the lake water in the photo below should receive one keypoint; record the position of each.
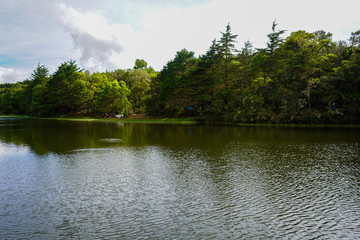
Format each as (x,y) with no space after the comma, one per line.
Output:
(92,180)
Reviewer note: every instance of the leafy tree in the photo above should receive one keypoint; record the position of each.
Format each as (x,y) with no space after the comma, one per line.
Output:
(39,103)
(355,39)
(111,97)
(11,99)
(224,71)
(347,78)
(175,83)
(204,79)
(322,35)
(140,64)
(305,78)
(39,76)
(138,82)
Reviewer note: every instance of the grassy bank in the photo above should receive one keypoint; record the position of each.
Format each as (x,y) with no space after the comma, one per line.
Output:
(148,120)
(133,119)
(298,125)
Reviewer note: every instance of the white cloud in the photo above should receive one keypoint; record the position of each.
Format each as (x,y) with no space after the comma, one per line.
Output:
(30,33)
(160,32)
(13,75)
(104,35)
(93,37)
(169,30)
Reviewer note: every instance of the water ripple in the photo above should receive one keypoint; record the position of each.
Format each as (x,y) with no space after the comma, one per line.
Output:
(245,191)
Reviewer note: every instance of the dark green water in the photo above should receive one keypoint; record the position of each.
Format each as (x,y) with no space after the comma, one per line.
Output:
(88,180)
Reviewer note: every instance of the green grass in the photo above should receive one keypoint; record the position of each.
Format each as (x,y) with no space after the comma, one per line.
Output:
(135,120)
(298,125)
(17,116)
(182,121)
(124,120)
(163,120)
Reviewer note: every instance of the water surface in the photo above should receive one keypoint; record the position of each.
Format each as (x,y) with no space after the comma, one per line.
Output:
(90,180)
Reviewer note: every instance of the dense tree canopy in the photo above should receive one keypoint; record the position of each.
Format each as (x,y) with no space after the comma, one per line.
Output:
(303,78)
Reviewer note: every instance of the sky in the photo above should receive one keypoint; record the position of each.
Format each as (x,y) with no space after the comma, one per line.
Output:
(111,34)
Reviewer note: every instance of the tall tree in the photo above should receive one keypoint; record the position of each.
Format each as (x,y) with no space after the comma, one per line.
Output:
(174,83)
(39,74)
(38,77)
(62,88)
(247,52)
(274,38)
(138,81)
(111,97)
(227,48)
(222,92)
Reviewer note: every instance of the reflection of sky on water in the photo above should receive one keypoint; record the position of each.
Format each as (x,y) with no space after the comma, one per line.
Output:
(74,180)
(13,151)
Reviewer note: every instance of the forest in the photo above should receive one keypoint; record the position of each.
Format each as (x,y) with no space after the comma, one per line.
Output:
(303,78)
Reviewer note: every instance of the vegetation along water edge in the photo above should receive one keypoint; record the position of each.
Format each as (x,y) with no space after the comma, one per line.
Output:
(181,121)
(305,78)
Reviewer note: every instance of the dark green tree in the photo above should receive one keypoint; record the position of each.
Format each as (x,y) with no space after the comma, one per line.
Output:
(63,90)
(355,39)
(38,77)
(274,38)
(174,84)
(247,52)
(227,48)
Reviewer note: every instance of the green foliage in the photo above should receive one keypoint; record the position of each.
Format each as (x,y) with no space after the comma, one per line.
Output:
(111,97)
(174,84)
(140,64)
(39,75)
(68,91)
(226,43)
(138,82)
(39,99)
(304,78)
(11,98)
(355,39)
(274,38)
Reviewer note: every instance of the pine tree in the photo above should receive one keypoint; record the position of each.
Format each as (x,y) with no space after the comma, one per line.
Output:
(274,38)
(39,74)
(227,48)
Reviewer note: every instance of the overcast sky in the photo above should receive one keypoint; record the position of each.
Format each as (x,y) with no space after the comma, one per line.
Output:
(110,34)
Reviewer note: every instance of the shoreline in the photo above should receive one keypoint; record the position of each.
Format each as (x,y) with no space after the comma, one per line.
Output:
(120,120)
(182,121)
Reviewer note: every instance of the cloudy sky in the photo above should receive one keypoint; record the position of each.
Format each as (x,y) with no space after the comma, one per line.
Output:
(110,34)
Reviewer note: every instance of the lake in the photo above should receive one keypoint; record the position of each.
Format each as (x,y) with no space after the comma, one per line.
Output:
(108,180)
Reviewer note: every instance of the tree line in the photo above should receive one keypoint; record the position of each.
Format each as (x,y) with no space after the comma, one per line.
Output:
(71,91)
(304,78)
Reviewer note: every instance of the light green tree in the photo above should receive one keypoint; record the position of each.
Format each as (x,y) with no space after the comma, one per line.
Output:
(139,84)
